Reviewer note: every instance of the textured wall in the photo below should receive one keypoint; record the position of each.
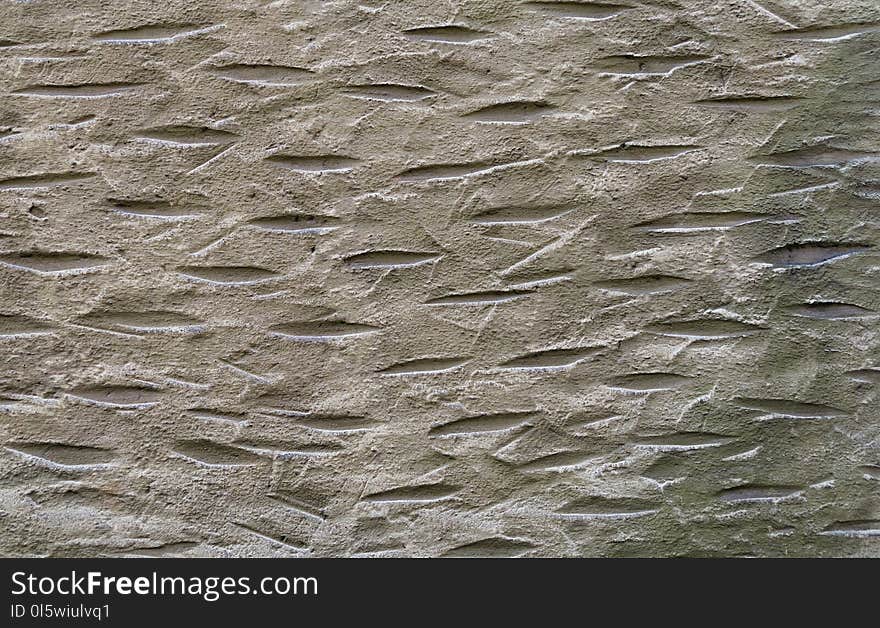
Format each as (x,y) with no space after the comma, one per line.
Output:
(477,278)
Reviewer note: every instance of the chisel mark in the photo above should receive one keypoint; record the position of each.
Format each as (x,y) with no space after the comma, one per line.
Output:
(211,454)
(419,494)
(809,254)
(83,90)
(227,275)
(696,222)
(390,259)
(551,359)
(485,424)
(787,409)
(54,263)
(390,92)
(708,329)
(322,331)
(607,508)
(489,297)
(758,493)
(153,33)
(516,112)
(62,455)
(46,180)
(14,325)
(118,396)
(314,164)
(644,285)
(263,74)
(830,310)
(494,547)
(425,366)
(647,382)
(446,34)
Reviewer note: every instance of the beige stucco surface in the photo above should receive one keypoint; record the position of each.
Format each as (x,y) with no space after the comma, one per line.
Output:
(424,278)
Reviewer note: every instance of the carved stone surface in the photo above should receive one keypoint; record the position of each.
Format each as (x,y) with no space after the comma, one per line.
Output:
(440,278)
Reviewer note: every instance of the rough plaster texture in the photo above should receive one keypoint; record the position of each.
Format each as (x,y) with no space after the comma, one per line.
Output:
(424,278)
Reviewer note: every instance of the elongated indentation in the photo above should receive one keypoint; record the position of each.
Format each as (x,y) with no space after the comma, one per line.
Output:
(643,284)
(691,222)
(295,223)
(485,424)
(683,441)
(425,366)
(335,424)
(809,254)
(444,172)
(286,449)
(173,550)
(156,321)
(8,133)
(785,408)
(647,382)
(870,471)
(857,529)
(632,65)
(516,112)
(529,280)
(64,455)
(867,376)
(521,215)
(322,330)
(118,396)
(668,469)
(643,154)
(446,34)
(807,189)
(758,104)
(707,329)
(607,508)
(592,420)
(830,310)
(12,325)
(295,502)
(487,297)
(278,405)
(160,210)
(390,259)
(75,493)
(151,34)
(758,493)
(54,263)
(814,157)
(227,275)
(180,135)
(9,403)
(213,454)
(836,32)
(561,461)
(494,547)
(82,90)
(314,163)
(551,358)
(577,10)
(80,121)
(263,74)
(390,92)
(46,180)
(422,493)
(273,539)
